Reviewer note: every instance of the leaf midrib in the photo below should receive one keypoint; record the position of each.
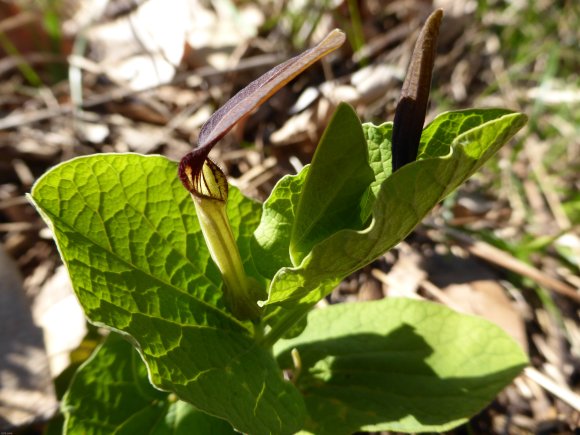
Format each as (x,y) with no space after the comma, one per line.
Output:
(146,273)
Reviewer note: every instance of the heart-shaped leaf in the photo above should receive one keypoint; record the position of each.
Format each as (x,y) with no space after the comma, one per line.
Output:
(128,234)
(398,365)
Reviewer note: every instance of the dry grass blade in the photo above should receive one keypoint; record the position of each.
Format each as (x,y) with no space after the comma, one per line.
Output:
(565,394)
(501,258)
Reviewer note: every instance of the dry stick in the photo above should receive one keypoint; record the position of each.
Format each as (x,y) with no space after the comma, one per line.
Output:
(564,394)
(244,181)
(441,296)
(381,42)
(11,202)
(11,62)
(20,119)
(19,226)
(496,256)
(16,21)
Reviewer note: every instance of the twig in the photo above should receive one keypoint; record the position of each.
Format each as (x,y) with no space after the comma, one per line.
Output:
(441,296)
(11,62)
(496,256)
(564,394)
(19,226)
(11,202)
(253,173)
(22,19)
(20,119)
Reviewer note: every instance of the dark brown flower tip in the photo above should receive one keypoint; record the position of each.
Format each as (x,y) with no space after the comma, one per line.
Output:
(202,177)
(258,91)
(412,106)
(197,172)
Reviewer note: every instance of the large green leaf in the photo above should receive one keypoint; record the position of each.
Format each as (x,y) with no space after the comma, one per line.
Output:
(403,199)
(336,186)
(128,234)
(398,364)
(110,393)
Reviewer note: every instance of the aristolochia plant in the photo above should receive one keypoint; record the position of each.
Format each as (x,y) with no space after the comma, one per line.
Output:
(214,291)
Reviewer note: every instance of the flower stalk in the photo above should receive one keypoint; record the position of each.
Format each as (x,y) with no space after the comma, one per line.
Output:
(209,191)
(208,185)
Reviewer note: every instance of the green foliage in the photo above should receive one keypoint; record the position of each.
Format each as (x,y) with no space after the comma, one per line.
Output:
(402,200)
(332,197)
(382,366)
(25,68)
(129,236)
(111,393)
(127,231)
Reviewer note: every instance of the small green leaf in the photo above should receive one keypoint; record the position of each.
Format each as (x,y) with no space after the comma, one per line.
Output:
(402,202)
(129,236)
(110,393)
(335,187)
(438,136)
(378,139)
(398,365)
(271,242)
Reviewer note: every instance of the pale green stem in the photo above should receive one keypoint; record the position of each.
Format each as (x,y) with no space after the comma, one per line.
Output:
(297,361)
(283,325)
(215,226)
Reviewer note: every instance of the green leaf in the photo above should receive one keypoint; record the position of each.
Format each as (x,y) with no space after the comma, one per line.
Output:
(398,365)
(438,136)
(110,393)
(128,234)
(378,138)
(271,243)
(403,199)
(335,187)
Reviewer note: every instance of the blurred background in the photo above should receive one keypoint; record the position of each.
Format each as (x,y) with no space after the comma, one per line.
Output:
(88,76)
